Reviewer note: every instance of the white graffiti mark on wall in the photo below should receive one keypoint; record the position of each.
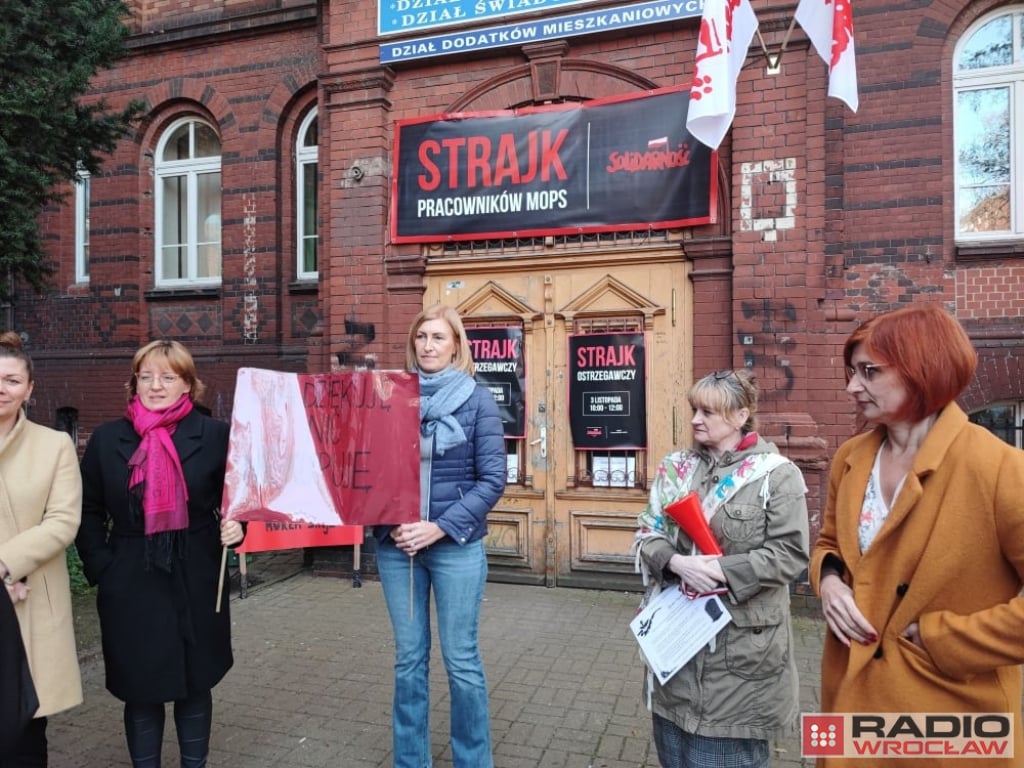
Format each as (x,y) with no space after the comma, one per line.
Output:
(250,298)
(776,208)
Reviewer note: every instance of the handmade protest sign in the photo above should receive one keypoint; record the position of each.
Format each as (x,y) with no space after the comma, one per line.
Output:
(270,537)
(328,449)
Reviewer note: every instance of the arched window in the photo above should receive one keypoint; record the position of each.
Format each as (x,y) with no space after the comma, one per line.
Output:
(306,176)
(988,83)
(67,421)
(188,205)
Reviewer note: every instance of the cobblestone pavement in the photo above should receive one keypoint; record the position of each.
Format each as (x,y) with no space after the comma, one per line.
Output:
(311,685)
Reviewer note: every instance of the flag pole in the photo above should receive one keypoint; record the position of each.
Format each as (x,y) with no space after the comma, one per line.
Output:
(776,61)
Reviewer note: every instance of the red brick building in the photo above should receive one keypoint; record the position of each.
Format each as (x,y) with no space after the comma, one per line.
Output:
(248,216)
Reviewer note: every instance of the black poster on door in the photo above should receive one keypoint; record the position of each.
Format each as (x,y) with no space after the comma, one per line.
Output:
(501,367)
(607,386)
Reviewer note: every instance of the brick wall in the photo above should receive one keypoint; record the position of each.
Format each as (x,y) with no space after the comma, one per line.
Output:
(254,81)
(825,216)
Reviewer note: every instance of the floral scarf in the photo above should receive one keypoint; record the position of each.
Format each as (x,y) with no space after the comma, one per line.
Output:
(673,481)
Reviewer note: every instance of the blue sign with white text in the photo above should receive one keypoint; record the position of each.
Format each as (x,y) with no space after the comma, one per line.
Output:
(398,16)
(552,28)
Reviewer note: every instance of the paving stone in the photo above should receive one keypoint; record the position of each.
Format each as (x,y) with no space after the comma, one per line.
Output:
(311,685)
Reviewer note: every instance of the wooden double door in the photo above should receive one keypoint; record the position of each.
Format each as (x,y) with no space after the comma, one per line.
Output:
(568,514)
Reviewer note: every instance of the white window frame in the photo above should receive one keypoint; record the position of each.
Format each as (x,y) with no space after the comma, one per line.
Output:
(1006,76)
(190,169)
(83,200)
(304,157)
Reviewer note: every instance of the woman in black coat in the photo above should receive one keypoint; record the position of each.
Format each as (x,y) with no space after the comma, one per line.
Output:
(151,538)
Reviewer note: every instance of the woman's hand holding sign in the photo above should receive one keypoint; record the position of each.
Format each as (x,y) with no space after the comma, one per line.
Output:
(412,537)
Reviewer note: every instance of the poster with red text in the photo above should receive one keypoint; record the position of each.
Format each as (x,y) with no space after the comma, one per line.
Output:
(607,391)
(327,449)
(621,163)
(501,367)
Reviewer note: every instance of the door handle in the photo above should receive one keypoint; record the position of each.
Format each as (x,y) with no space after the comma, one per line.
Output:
(543,441)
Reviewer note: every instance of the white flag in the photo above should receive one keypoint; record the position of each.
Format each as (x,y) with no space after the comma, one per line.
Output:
(726,29)
(829,25)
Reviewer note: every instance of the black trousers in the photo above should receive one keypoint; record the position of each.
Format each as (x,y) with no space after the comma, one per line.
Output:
(144,730)
(31,749)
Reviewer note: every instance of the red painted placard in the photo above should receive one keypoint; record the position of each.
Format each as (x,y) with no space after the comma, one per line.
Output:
(270,537)
(329,449)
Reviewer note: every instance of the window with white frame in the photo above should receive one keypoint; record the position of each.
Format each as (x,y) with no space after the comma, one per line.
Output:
(188,224)
(83,195)
(1004,420)
(306,157)
(988,100)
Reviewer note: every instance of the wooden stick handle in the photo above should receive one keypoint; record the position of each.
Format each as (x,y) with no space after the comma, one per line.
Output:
(220,581)
(357,577)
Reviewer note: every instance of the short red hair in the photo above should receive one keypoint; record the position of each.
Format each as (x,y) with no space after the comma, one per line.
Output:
(929,350)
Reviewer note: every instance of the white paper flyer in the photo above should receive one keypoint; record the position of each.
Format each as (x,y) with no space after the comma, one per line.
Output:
(674,627)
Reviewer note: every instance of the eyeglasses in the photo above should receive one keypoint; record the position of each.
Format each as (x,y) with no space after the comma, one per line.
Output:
(148,380)
(723,375)
(866,372)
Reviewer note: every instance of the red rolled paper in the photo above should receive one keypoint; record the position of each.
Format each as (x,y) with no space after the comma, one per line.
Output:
(689,514)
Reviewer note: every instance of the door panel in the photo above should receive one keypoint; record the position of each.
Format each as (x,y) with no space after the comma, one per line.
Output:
(556,523)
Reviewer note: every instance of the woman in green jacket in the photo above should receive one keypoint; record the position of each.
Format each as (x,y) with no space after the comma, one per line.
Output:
(722,707)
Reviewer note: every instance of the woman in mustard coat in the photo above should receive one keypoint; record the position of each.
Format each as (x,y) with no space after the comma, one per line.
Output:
(920,559)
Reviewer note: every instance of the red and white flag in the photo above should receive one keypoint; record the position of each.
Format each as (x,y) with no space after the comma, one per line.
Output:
(829,24)
(726,29)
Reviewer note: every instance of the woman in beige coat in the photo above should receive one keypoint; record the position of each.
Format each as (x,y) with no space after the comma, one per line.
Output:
(40,509)
(920,560)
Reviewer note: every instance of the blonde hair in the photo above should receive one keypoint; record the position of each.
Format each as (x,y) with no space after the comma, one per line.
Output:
(178,359)
(727,393)
(463,360)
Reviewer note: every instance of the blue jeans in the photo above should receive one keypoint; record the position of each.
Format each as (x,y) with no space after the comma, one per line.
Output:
(457,575)
(679,749)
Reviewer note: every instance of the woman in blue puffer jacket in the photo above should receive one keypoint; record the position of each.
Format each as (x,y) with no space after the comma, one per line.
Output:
(462,476)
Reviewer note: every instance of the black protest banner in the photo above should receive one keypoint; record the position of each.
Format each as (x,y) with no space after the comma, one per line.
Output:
(501,367)
(606,165)
(607,391)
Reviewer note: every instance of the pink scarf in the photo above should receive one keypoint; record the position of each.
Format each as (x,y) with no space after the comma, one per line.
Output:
(156,467)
